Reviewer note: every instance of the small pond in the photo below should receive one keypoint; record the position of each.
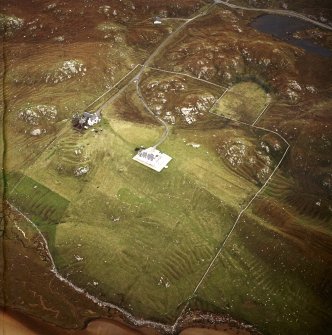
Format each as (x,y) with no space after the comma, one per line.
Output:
(283,27)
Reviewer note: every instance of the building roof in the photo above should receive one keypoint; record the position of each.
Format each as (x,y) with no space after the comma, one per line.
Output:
(89,115)
(152,158)
(157,20)
(90,118)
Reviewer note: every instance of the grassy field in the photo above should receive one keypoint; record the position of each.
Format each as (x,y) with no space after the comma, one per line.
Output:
(41,204)
(275,280)
(148,229)
(138,238)
(142,239)
(243,102)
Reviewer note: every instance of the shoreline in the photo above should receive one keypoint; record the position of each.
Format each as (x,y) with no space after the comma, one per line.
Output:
(16,323)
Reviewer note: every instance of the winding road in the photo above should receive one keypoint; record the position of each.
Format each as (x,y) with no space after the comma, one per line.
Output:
(137,79)
(150,60)
(276,11)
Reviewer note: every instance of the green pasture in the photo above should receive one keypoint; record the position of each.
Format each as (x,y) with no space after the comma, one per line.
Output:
(135,237)
(242,102)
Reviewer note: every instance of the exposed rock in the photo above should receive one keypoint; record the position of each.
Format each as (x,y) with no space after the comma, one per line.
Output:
(34,115)
(65,71)
(9,24)
(82,170)
(36,132)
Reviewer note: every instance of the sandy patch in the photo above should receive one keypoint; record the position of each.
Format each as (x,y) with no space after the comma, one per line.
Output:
(16,324)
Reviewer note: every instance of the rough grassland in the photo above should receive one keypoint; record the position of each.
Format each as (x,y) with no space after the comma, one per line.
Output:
(275,279)
(134,237)
(243,102)
(140,239)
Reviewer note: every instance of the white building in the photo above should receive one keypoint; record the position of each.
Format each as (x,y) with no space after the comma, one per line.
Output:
(157,20)
(152,158)
(91,118)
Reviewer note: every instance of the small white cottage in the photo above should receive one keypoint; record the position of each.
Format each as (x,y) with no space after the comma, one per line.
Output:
(157,20)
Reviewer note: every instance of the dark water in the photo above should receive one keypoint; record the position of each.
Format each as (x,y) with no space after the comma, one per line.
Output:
(283,27)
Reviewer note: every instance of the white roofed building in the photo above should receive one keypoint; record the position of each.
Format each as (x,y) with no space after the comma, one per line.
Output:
(86,120)
(157,20)
(91,118)
(152,158)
